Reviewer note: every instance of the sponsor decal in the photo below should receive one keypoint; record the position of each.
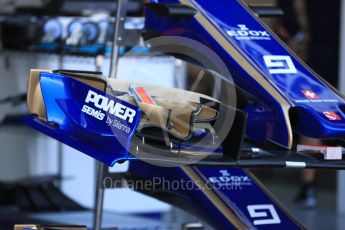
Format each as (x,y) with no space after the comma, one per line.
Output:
(244,33)
(316,101)
(332,116)
(106,105)
(93,112)
(263,214)
(280,64)
(310,94)
(312,97)
(140,94)
(226,179)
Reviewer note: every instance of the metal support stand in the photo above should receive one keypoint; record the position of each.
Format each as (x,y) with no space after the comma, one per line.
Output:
(60,145)
(60,164)
(341,173)
(118,28)
(99,196)
(100,167)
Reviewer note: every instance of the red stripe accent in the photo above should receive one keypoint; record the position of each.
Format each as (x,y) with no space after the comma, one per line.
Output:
(145,96)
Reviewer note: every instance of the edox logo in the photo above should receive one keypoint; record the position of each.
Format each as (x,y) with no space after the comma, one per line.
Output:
(225,178)
(244,33)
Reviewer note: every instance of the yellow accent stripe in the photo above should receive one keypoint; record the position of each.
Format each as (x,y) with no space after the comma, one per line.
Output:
(218,203)
(219,37)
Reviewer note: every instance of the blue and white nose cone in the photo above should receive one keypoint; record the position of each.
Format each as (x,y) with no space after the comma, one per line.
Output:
(285,95)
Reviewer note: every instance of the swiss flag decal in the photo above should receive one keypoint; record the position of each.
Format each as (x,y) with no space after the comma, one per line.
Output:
(310,94)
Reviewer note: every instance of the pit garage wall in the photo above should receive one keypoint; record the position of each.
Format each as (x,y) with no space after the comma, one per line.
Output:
(25,152)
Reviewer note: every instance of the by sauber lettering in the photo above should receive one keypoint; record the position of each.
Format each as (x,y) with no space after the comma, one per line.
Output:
(244,33)
(109,106)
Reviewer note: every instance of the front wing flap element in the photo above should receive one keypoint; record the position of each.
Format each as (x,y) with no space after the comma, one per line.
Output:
(76,115)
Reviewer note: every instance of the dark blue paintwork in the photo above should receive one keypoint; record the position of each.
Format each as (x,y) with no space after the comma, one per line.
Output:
(64,99)
(226,20)
(235,188)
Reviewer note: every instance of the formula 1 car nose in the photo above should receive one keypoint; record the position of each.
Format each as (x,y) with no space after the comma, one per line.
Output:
(261,65)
